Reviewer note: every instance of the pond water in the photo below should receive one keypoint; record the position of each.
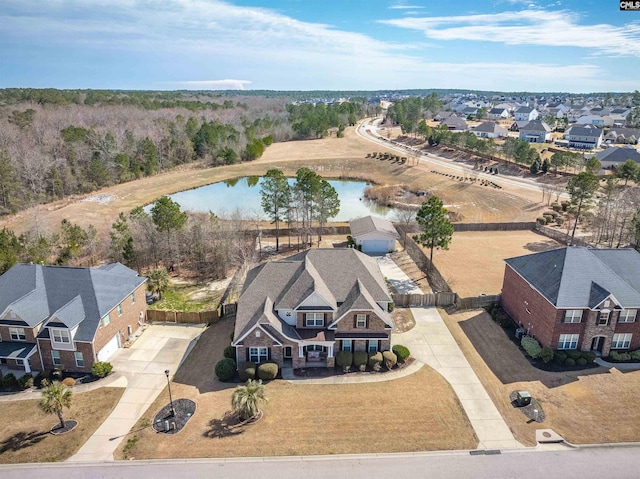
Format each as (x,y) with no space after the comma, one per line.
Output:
(244,194)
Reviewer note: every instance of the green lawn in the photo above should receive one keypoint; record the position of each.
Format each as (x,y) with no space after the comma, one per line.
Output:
(189,298)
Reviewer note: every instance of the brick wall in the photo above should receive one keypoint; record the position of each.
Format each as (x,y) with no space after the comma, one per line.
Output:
(30,333)
(300,320)
(374,323)
(67,358)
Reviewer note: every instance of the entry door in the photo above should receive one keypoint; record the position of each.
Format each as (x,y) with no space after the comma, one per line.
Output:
(286,353)
(596,343)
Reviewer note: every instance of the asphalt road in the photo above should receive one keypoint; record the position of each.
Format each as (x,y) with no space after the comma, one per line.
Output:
(587,463)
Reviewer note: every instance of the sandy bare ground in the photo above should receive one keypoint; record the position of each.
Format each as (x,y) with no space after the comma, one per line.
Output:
(482,268)
(330,157)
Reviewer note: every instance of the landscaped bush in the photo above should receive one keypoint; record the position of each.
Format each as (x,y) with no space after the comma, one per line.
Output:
(26,381)
(613,355)
(375,360)
(402,352)
(565,205)
(230,352)
(360,359)
(574,354)
(9,381)
(101,368)
(559,357)
(69,382)
(559,220)
(390,359)
(557,207)
(546,354)
(267,371)
(581,361)
(541,220)
(569,362)
(590,356)
(635,355)
(344,360)
(500,317)
(225,369)
(625,357)
(246,371)
(531,346)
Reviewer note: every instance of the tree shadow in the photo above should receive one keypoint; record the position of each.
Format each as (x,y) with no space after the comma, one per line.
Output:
(539,246)
(22,440)
(226,427)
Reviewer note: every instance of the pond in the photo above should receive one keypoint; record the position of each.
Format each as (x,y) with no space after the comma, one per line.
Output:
(244,194)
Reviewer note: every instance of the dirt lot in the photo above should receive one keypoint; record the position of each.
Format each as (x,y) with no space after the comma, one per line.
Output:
(331,157)
(590,406)
(354,418)
(484,252)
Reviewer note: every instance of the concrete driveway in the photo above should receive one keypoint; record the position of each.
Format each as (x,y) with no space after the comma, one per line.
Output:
(140,369)
(396,277)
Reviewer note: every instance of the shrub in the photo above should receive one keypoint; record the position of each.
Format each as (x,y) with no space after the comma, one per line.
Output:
(546,354)
(267,371)
(390,359)
(557,207)
(26,381)
(581,361)
(100,369)
(541,220)
(501,318)
(69,382)
(569,362)
(635,355)
(230,352)
(590,356)
(574,354)
(360,359)
(553,214)
(559,356)
(565,205)
(225,369)
(246,371)
(559,220)
(402,352)
(531,346)
(375,358)
(344,359)
(9,381)
(625,357)
(614,356)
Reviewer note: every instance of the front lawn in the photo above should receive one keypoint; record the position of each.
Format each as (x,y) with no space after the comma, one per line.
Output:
(24,431)
(417,413)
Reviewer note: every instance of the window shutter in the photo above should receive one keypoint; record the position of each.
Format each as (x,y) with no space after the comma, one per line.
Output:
(355,321)
(366,323)
(268,354)
(246,350)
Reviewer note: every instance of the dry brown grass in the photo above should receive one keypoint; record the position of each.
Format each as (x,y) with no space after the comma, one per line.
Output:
(585,407)
(24,432)
(474,262)
(409,267)
(419,412)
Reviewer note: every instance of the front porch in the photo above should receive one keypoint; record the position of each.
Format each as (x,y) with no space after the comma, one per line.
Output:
(315,355)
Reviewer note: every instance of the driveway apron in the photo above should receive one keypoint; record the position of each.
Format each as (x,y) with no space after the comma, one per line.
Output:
(141,370)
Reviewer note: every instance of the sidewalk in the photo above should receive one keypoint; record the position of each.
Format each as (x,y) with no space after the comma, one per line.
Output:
(396,277)
(618,366)
(287,374)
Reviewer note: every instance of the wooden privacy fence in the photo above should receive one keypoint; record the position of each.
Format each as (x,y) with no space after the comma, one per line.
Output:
(443,299)
(516,226)
(164,316)
(560,236)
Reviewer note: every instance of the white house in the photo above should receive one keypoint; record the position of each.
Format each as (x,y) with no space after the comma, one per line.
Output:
(585,137)
(498,113)
(489,129)
(374,235)
(525,113)
(536,131)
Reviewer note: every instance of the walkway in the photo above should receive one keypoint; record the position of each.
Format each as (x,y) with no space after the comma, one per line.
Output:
(396,277)
(141,370)
(618,366)
(431,342)
(354,378)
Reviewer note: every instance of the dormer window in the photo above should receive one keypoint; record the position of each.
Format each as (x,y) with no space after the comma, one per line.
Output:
(60,336)
(314,319)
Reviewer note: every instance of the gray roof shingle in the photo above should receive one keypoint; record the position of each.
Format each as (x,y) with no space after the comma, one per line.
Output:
(369,224)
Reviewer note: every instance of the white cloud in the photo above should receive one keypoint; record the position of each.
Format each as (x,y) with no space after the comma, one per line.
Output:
(529,27)
(402,6)
(210,84)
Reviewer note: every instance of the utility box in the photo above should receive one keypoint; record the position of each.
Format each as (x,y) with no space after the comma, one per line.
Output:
(523,398)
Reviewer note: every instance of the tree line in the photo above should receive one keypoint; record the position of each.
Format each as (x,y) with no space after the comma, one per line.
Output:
(313,121)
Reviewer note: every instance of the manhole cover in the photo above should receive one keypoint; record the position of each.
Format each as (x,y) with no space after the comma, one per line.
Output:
(546,434)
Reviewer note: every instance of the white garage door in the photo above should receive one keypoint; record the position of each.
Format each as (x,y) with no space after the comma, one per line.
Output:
(375,246)
(111,347)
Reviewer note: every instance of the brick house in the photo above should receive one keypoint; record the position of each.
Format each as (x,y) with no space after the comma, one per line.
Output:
(576,297)
(299,311)
(67,318)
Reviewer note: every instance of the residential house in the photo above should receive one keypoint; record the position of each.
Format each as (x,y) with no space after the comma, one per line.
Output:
(576,297)
(525,113)
(498,114)
(622,135)
(585,137)
(68,318)
(614,156)
(489,129)
(595,120)
(469,111)
(454,122)
(299,311)
(443,115)
(374,235)
(536,131)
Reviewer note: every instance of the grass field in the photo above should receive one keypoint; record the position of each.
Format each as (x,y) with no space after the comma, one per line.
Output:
(415,413)
(474,262)
(24,432)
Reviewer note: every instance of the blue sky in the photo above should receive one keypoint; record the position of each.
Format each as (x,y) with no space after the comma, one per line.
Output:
(508,45)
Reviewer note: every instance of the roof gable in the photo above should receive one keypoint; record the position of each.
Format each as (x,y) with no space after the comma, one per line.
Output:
(370,224)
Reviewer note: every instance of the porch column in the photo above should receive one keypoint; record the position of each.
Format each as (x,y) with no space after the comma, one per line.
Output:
(330,351)
(300,351)
(27,366)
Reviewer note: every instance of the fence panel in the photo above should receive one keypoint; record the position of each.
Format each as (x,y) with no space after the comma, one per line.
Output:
(513,226)
(476,302)
(167,316)
(560,236)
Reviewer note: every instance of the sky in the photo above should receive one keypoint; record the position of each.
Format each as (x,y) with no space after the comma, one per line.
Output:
(498,45)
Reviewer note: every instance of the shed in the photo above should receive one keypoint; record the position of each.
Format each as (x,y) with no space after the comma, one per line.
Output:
(374,235)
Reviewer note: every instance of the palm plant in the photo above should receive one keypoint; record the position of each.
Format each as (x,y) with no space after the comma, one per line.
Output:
(245,399)
(55,397)
(158,281)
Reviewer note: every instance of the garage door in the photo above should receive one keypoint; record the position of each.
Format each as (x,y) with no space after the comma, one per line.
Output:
(111,347)
(375,246)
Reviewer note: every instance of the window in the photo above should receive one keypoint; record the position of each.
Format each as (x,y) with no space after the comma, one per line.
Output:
(346,345)
(60,336)
(628,316)
(314,319)
(603,318)
(120,309)
(361,320)
(373,346)
(257,355)
(106,320)
(568,341)
(133,298)
(573,316)
(19,362)
(55,356)
(79,359)
(621,341)
(17,334)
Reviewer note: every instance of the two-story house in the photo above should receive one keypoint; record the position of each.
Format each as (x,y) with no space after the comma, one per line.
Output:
(525,113)
(576,297)
(489,129)
(536,131)
(67,318)
(586,137)
(299,311)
